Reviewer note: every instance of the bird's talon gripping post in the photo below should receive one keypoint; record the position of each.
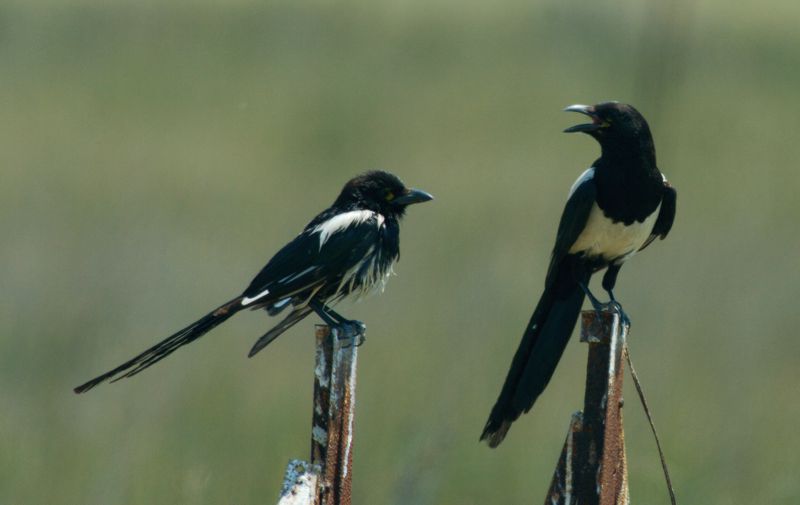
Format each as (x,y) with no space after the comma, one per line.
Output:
(352,331)
(617,307)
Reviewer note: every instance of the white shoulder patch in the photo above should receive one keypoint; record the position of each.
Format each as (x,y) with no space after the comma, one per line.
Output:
(247,300)
(342,222)
(588,174)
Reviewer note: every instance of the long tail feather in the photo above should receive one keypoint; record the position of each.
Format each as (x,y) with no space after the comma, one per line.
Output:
(167,346)
(537,356)
(293,318)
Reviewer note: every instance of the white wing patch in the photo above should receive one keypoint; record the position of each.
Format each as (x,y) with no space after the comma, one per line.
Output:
(247,300)
(343,221)
(585,176)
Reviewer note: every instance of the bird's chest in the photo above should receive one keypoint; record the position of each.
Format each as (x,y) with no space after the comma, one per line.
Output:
(373,269)
(613,241)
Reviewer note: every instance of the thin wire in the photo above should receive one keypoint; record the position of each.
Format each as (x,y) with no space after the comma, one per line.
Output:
(652,426)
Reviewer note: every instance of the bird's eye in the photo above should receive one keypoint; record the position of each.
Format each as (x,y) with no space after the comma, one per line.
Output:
(389,196)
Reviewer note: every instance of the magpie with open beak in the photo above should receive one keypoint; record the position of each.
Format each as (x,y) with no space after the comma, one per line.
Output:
(615,209)
(348,249)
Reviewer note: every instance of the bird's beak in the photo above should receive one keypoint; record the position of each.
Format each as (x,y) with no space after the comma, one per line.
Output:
(588,110)
(413,196)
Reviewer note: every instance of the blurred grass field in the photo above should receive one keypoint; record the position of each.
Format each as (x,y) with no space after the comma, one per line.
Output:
(153,158)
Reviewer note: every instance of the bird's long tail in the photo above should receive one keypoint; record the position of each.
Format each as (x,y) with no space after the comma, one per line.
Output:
(167,346)
(542,345)
(294,317)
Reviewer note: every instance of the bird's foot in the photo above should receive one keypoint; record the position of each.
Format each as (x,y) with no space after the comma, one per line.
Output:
(612,306)
(354,332)
(615,306)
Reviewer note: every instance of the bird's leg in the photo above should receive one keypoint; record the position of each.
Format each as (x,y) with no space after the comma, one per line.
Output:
(346,329)
(618,309)
(609,280)
(324,313)
(597,304)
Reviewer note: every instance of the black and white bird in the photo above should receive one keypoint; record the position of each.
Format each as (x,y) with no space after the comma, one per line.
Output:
(348,249)
(615,209)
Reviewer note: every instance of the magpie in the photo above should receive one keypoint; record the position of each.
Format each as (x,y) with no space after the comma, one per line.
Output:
(347,249)
(614,209)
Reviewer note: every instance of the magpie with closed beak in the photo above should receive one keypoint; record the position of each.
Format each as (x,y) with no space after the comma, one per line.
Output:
(615,209)
(348,249)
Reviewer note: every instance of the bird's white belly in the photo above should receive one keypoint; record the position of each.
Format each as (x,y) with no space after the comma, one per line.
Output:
(613,241)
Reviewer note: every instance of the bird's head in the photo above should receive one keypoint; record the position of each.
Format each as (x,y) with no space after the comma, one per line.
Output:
(381,192)
(613,123)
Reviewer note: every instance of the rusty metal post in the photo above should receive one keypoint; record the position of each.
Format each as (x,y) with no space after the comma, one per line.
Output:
(592,469)
(322,390)
(334,412)
(330,472)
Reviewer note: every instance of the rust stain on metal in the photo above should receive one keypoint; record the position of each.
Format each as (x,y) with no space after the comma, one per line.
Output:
(334,412)
(613,469)
(592,469)
(331,428)
(561,487)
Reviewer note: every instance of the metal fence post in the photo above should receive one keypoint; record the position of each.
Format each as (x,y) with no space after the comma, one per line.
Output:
(592,468)
(329,476)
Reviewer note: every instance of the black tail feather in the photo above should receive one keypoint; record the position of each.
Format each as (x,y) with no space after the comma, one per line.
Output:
(167,346)
(537,356)
(294,317)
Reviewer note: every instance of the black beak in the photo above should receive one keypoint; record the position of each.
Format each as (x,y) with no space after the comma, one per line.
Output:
(413,196)
(588,110)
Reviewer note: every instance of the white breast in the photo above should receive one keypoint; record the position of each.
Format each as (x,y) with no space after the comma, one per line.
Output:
(613,241)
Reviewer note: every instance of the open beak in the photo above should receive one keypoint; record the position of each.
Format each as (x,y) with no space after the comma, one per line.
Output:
(413,196)
(588,110)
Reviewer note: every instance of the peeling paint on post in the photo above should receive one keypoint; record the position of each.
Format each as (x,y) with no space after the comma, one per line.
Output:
(592,469)
(300,484)
(322,395)
(331,464)
(337,457)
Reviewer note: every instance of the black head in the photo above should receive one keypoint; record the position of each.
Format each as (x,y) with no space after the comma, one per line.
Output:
(380,191)
(613,123)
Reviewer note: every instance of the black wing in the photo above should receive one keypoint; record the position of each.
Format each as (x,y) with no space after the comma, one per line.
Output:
(314,259)
(573,221)
(666,215)
(551,324)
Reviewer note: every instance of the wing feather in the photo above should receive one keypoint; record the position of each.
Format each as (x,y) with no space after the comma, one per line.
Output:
(666,215)
(573,220)
(308,262)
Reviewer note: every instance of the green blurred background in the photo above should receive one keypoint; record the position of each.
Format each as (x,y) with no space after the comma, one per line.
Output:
(154,156)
